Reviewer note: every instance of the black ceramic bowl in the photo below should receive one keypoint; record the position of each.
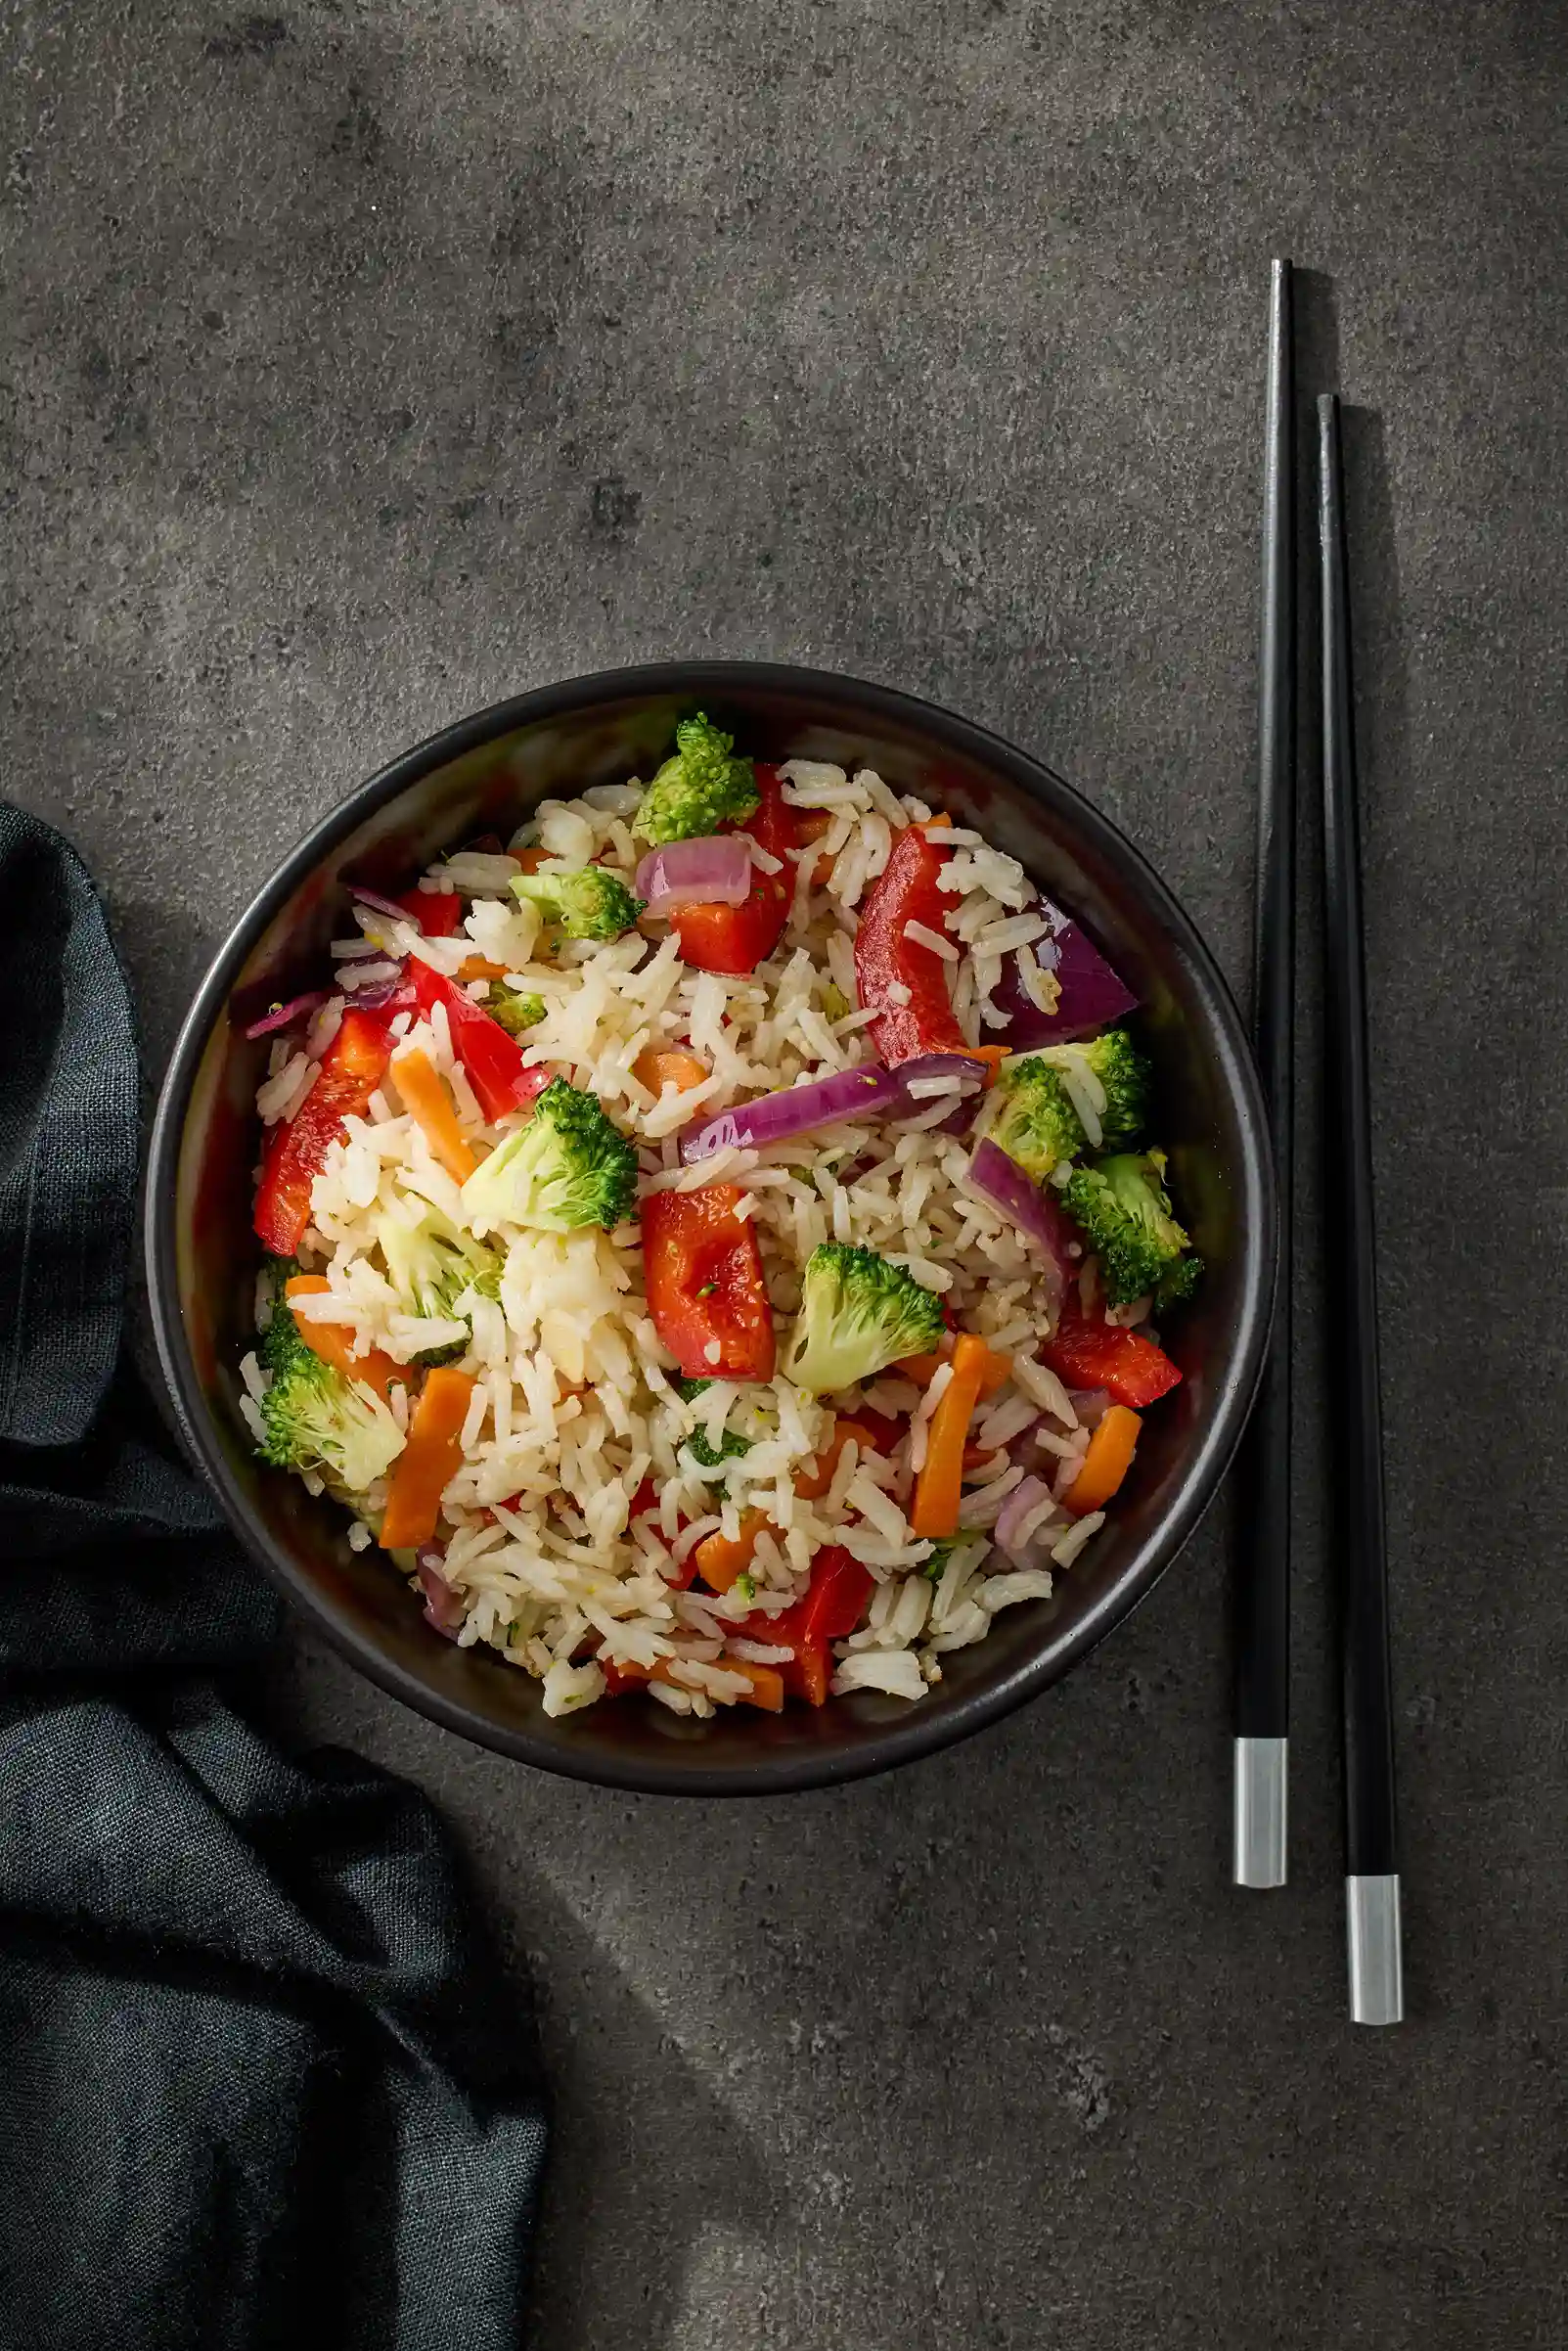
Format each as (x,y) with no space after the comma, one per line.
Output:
(483,776)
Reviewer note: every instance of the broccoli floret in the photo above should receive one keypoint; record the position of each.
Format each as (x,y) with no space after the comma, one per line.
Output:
(566,1169)
(699,788)
(1123,1071)
(280,1345)
(858,1314)
(686,1389)
(314,1419)
(731,1448)
(431,1265)
(584,901)
(515,1013)
(1035,1122)
(941,1552)
(1125,1213)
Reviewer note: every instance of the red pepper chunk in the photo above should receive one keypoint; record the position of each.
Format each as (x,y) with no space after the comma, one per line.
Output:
(735,939)
(351,1069)
(906,891)
(437,912)
(834,1603)
(702,1272)
(836,1600)
(493,1062)
(1130,1368)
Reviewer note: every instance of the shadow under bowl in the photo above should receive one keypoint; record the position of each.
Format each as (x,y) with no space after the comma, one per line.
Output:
(484,774)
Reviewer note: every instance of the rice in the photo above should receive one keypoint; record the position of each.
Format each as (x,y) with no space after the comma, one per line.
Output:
(555,1555)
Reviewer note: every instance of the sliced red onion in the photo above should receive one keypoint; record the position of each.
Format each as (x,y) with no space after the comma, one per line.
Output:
(795,1111)
(379,993)
(1022,1451)
(995,1178)
(281,1016)
(826,1101)
(960,1117)
(1014,1510)
(1091,1404)
(443,1608)
(1091,996)
(714,872)
(388,906)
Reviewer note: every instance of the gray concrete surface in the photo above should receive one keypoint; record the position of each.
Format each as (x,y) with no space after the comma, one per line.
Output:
(365,363)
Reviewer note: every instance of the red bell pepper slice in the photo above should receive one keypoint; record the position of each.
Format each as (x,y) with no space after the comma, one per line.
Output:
(502,1080)
(906,891)
(351,1069)
(438,912)
(807,1674)
(836,1599)
(1130,1368)
(833,1605)
(735,939)
(702,1272)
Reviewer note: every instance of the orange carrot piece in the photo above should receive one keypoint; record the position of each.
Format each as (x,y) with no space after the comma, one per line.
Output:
(657,1068)
(767,1684)
(722,1561)
(813,1478)
(479,967)
(934,1512)
(996,1371)
(429,1459)
(1106,1462)
(531,860)
(993,1056)
(334,1341)
(425,1095)
(810,825)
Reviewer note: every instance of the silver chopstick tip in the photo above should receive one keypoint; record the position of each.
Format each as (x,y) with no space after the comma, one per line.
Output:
(1374,1950)
(1261,1808)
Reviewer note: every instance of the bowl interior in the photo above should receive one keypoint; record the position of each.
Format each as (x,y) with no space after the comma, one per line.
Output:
(485,776)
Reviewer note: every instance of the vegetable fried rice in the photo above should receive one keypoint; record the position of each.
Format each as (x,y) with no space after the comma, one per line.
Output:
(714,1238)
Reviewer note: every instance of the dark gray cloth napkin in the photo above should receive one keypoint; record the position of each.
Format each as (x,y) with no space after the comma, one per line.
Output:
(262,2083)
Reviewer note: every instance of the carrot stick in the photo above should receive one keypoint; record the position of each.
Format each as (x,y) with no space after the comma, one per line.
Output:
(767,1683)
(479,967)
(1106,1462)
(531,860)
(333,1342)
(722,1559)
(810,826)
(655,1070)
(814,1478)
(425,1095)
(428,1460)
(920,1369)
(938,1489)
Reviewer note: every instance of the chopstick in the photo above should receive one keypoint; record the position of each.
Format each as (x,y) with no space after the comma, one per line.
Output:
(1263,1631)
(1371,1855)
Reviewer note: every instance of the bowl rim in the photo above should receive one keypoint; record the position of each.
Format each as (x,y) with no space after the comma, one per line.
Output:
(919,1734)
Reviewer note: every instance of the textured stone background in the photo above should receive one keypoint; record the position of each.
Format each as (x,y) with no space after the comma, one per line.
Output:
(368,362)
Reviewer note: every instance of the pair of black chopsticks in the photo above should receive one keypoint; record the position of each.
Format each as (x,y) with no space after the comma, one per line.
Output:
(1263,1676)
